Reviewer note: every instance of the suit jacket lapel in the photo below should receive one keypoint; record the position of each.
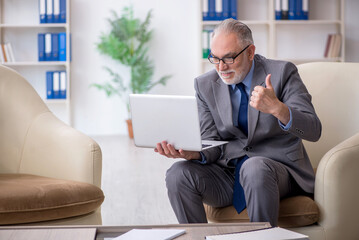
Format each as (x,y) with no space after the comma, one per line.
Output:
(259,76)
(224,106)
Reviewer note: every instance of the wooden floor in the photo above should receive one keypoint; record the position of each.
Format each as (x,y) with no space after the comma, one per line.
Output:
(133,181)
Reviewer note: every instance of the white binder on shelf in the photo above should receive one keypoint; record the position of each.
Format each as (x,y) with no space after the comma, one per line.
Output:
(49,11)
(205,10)
(42,11)
(63,85)
(56,84)
(56,11)
(48,46)
(219,10)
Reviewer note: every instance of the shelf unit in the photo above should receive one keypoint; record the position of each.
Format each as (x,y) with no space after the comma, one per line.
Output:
(298,41)
(20,25)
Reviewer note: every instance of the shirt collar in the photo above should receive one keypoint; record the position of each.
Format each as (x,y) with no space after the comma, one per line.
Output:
(247,81)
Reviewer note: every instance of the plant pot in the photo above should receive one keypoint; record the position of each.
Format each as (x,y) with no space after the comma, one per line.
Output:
(129,128)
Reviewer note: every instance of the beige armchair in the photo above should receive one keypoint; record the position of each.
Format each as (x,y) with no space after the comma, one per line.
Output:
(334,211)
(50,173)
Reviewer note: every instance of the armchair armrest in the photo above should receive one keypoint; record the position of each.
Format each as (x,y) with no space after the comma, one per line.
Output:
(54,149)
(336,190)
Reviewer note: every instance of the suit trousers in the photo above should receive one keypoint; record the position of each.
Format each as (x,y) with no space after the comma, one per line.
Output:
(265,182)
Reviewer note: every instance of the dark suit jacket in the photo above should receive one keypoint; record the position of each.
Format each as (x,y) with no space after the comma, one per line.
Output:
(265,136)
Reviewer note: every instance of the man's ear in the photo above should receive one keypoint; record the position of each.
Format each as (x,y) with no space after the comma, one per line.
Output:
(251,51)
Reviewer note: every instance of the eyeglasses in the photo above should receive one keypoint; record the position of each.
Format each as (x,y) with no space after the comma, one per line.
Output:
(225,60)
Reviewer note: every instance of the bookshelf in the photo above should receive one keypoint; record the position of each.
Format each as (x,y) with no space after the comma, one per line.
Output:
(20,26)
(298,41)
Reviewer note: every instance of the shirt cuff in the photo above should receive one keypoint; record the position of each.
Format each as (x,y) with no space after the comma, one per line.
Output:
(203,159)
(289,124)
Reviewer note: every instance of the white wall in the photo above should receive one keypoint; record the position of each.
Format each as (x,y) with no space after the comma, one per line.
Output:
(175,49)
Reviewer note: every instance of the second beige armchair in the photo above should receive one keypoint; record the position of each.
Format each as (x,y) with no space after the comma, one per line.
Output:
(334,211)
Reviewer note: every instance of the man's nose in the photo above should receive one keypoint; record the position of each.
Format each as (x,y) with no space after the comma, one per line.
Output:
(222,65)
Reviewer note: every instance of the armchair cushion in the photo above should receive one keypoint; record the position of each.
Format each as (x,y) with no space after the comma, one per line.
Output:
(30,198)
(295,211)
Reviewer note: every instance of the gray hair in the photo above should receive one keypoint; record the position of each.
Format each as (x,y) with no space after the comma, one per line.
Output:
(230,25)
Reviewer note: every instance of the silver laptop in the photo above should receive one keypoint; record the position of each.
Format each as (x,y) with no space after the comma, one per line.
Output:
(157,118)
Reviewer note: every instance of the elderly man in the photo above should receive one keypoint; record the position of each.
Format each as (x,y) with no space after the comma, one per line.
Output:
(262,108)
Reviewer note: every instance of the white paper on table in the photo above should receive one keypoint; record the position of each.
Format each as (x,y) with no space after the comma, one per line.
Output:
(151,234)
(275,233)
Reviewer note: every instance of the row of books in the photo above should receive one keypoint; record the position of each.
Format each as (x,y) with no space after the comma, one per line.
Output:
(52,46)
(333,46)
(56,85)
(52,11)
(6,53)
(206,42)
(217,10)
(291,9)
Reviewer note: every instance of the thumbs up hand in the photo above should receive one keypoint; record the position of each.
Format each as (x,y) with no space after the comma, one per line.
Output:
(268,82)
(264,99)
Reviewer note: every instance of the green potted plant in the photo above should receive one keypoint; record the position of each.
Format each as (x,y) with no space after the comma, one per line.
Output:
(127,43)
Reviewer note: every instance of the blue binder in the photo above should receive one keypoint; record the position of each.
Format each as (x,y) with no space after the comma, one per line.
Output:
(54,47)
(41,46)
(211,10)
(62,46)
(277,9)
(233,8)
(49,86)
(226,9)
(292,9)
(48,47)
(284,9)
(62,11)
(42,11)
(49,11)
(299,10)
(63,84)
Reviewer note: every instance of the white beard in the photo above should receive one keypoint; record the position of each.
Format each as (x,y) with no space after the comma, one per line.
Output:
(235,80)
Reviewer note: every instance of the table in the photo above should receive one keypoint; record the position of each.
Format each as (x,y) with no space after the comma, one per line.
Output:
(193,231)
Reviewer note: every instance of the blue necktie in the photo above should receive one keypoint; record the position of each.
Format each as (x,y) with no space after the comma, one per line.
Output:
(239,202)
(243,110)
